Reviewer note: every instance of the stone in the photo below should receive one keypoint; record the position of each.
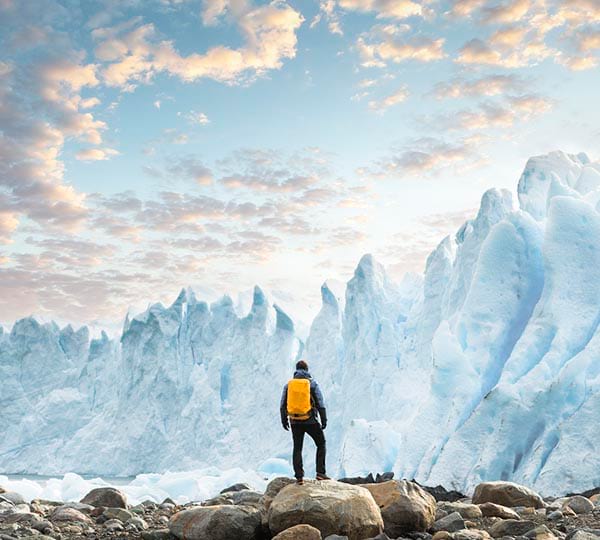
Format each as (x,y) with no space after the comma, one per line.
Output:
(442,535)
(246,497)
(555,516)
(66,513)
(471,534)
(13,497)
(358,480)
(273,488)
(105,496)
(84,508)
(330,506)
(118,513)
(580,504)
(507,494)
(467,511)
(137,522)
(299,532)
(157,534)
(336,537)
(541,532)
(440,493)
(582,534)
(497,510)
(216,523)
(113,525)
(235,487)
(451,523)
(511,527)
(595,499)
(405,506)
(568,511)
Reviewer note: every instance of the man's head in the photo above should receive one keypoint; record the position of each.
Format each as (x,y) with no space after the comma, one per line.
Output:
(301,364)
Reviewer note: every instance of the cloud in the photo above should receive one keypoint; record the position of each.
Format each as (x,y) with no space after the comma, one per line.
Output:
(95,154)
(387,44)
(328,12)
(190,168)
(491,85)
(476,51)
(396,9)
(194,117)
(385,103)
(506,12)
(136,55)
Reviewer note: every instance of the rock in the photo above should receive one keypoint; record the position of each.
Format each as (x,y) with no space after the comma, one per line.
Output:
(385,477)
(235,487)
(113,525)
(511,527)
(118,513)
(442,535)
(582,534)
(84,508)
(507,494)
(568,511)
(138,523)
(440,493)
(157,534)
(380,536)
(555,516)
(358,480)
(404,505)
(246,497)
(540,533)
(595,499)
(472,534)
(580,504)
(336,537)
(451,523)
(467,511)
(299,532)
(497,510)
(273,488)
(105,496)
(13,497)
(330,506)
(216,523)
(66,513)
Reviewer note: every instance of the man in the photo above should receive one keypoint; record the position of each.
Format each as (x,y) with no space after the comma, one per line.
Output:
(300,402)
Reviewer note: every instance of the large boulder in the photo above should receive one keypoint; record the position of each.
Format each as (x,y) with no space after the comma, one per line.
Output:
(217,523)
(580,504)
(507,494)
(467,511)
(273,488)
(105,496)
(299,532)
(405,506)
(330,506)
(511,527)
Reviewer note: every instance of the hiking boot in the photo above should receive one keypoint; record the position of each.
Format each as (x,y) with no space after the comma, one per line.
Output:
(322,477)
(300,481)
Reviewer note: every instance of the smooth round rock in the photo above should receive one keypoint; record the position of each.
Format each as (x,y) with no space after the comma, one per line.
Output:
(507,494)
(299,532)
(106,496)
(329,506)
(216,523)
(580,504)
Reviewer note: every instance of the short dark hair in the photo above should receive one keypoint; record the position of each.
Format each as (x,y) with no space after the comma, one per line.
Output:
(301,364)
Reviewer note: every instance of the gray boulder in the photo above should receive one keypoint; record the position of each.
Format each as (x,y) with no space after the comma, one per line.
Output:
(330,506)
(511,527)
(467,511)
(580,504)
(236,487)
(66,513)
(405,506)
(451,523)
(105,496)
(216,523)
(13,497)
(299,532)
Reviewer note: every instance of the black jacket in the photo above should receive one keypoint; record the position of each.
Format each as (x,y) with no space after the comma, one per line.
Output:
(316,398)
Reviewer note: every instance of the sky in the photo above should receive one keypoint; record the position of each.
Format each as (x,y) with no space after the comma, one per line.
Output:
(150,145)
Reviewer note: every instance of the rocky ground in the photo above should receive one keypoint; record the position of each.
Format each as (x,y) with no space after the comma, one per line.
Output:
(356,509)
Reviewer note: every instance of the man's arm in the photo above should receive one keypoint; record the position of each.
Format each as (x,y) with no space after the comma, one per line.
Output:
(283,409)
(319,403)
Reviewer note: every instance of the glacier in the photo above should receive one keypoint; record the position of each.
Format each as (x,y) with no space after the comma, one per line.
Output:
(485,367)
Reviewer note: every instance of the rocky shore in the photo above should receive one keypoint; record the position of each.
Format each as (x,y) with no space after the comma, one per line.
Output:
(353,509)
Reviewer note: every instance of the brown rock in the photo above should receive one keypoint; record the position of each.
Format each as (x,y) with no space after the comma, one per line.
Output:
(507,494)
(473,534)
(405,506)
(442,535)
(468,511)
(299,532)
(540,533)
(497,510)
(65,513)
(329,506)
(106,496)
(224,522)
(580,504)
(511,527)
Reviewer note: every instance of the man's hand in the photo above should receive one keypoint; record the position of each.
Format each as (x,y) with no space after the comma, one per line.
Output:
(323,424)
(286,425)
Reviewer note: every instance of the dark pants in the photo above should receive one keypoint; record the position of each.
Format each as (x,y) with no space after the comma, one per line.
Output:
(316,433)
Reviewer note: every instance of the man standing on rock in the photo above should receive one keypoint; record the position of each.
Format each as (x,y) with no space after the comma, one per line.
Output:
(300,402)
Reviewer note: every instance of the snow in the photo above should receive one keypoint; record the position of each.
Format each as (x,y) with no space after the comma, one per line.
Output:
(484,368)
(194,485)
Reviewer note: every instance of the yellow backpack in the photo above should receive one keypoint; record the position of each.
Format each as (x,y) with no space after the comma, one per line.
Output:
(299,406)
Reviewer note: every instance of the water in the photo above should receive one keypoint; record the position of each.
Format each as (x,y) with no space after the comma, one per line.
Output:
(42,480)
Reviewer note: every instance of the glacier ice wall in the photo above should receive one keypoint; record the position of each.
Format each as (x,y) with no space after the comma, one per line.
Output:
(486,367)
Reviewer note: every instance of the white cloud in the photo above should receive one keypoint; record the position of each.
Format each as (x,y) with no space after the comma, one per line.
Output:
(385,103)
